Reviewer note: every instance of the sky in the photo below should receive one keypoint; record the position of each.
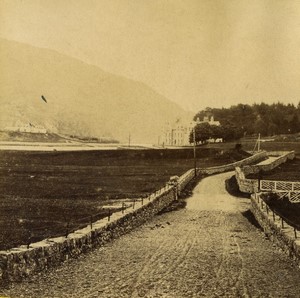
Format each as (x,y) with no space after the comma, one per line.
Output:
(197,53)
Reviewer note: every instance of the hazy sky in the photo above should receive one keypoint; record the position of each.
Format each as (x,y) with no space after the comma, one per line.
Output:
(197,53)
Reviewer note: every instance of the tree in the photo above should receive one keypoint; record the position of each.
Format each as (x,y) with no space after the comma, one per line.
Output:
(243,119)
(261,127)
(202,133)
(230,132)
(294,124)
(216,131)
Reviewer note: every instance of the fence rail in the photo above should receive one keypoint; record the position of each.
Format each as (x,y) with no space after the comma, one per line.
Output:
(270,185)
(283,188)
(253,185)
(276,216)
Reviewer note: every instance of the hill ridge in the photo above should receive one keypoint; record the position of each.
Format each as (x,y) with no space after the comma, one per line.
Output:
(82,99)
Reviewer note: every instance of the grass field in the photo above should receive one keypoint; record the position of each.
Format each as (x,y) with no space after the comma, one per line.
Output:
(45,194)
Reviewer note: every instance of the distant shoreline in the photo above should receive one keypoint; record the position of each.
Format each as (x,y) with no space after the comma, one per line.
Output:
(46,146)
(40,146)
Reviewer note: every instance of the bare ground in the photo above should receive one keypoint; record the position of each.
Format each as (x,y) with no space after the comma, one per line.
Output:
(208,249)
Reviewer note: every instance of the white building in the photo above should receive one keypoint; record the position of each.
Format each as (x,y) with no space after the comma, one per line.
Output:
(178,134)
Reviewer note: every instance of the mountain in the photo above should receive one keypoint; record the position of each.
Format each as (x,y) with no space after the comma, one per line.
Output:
(65,95)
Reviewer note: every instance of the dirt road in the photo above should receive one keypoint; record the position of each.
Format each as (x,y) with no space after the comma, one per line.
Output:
(208,249)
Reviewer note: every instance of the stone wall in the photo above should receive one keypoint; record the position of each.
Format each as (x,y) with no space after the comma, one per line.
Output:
(252,185)
(186,178)
(20,262)
(282,158)
(230,167)
(284,237)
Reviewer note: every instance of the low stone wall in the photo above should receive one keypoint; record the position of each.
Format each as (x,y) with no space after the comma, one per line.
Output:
(245,185)
(230,167)
(20,262)
(248,185)
(284,236)
(252,185)
(289,154)
(185,179)
(189,175)
(270,166)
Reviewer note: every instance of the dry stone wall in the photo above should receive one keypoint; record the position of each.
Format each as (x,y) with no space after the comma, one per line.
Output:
(252,185)
(281,158)
(20,262)
(230,167)
(185,178)
(284,236)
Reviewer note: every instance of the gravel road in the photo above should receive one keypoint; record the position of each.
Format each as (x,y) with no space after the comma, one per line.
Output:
(208,249)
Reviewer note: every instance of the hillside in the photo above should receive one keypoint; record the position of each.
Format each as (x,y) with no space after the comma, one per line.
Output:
(81,99)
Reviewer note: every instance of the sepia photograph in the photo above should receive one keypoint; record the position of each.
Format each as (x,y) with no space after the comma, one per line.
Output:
(149,148)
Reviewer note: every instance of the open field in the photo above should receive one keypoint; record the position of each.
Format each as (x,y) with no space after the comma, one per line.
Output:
(45,194)
(289,171)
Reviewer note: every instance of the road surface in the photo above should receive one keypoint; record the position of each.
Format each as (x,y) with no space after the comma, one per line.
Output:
(208,249)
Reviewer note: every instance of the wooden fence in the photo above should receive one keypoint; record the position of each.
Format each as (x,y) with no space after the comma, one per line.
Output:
(282,188)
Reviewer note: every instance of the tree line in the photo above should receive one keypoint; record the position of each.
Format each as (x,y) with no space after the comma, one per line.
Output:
(248,120)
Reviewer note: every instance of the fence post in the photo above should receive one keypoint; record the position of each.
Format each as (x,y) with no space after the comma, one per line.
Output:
(123,207)
(91,221)
(67,230)
(295,231)
(108,218)
(133,205)
(142,201)
(282,225)
(274,219)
